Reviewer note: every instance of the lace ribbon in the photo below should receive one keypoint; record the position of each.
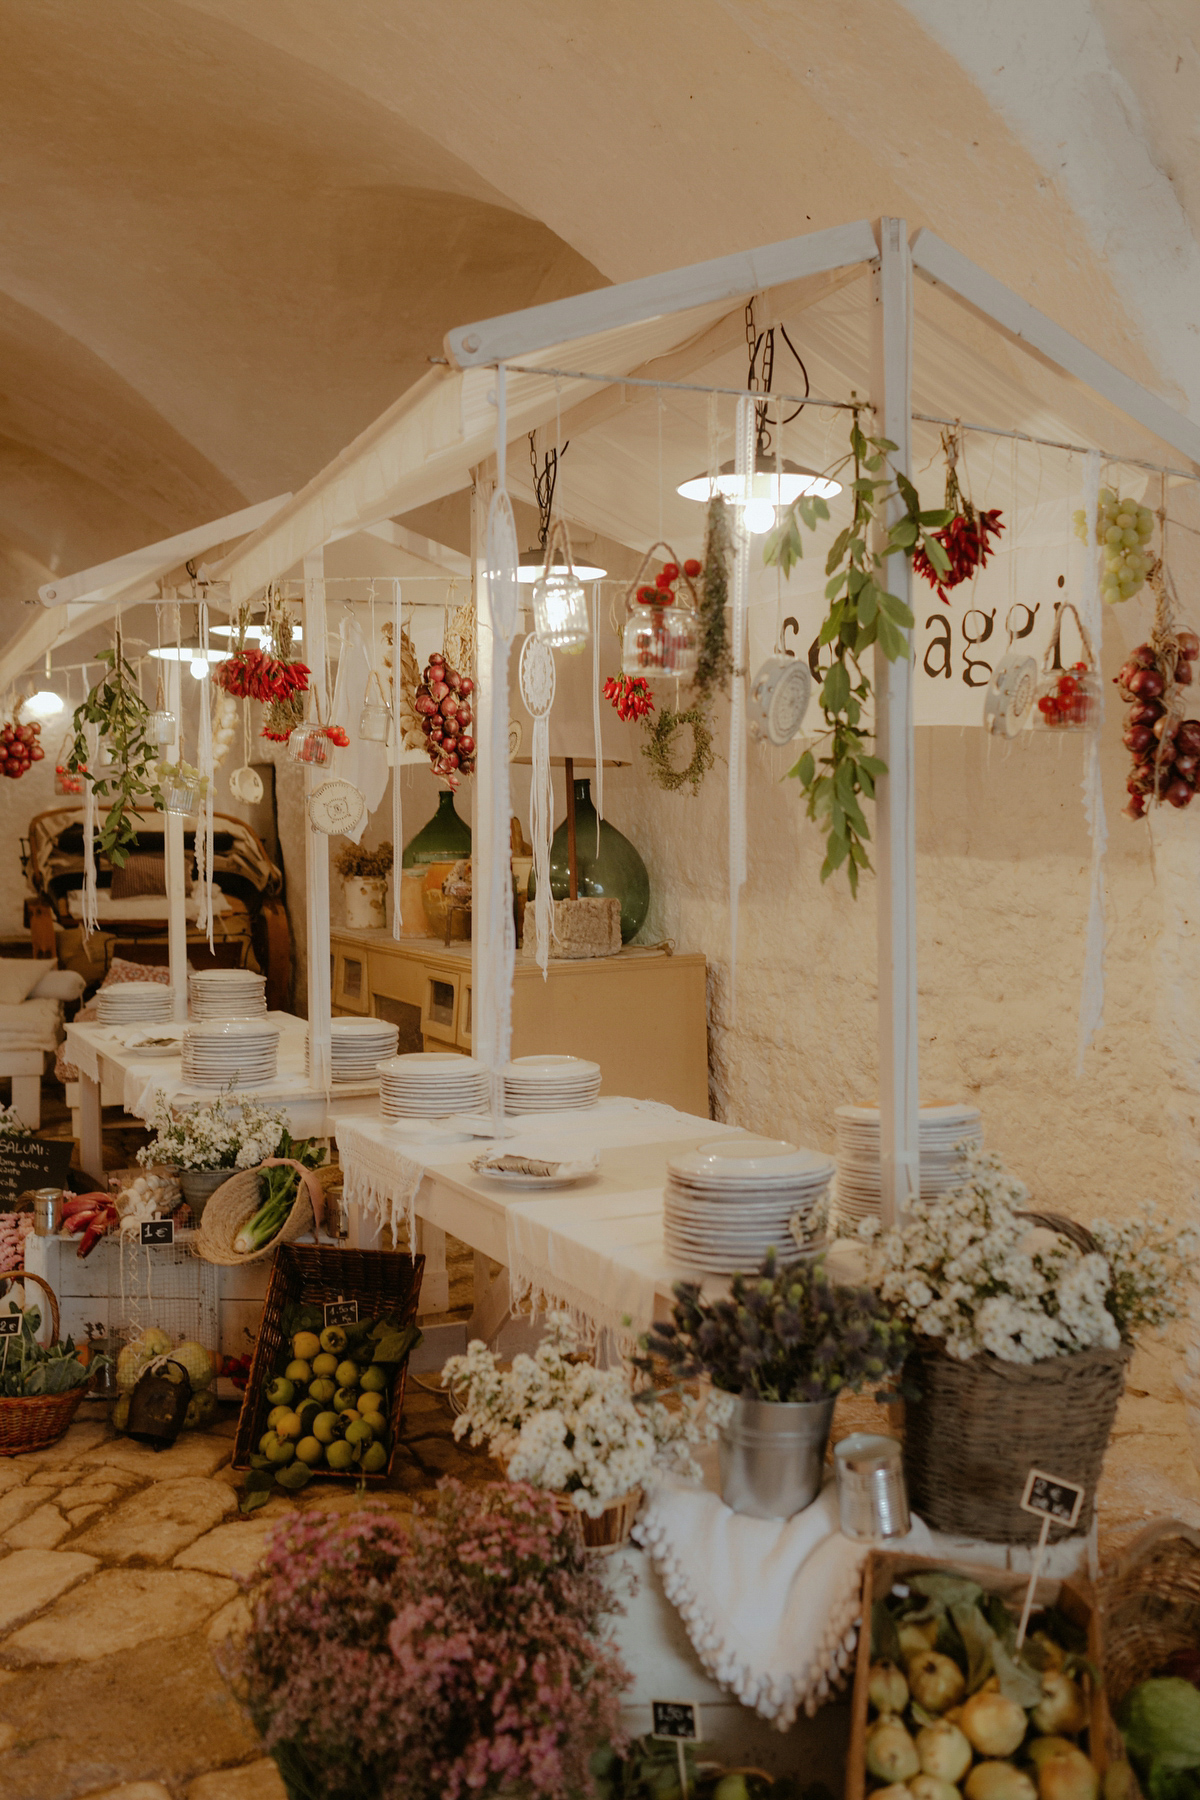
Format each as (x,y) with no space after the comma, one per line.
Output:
(1091,1000)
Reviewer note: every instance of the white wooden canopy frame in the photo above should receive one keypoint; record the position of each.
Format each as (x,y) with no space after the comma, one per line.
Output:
(440,437)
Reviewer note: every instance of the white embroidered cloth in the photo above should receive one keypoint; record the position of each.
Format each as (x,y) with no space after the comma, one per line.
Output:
(769,1605)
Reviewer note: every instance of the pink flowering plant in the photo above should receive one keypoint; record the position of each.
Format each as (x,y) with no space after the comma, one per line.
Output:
(460,1653)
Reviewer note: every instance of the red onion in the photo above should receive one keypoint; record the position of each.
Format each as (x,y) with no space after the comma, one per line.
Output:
(1183,672)
(450,727)
(1145,712)
(1138,738)
(1187,766)
(466,743)
(426,704)
(1148,684)
(464,713)
(1136,808)
(1179,794)
(1189,644)
(1188,736)
(1143,657)
(449,706)
(453,679)
(466,686)
(451,760)
(37,753)
(439,690)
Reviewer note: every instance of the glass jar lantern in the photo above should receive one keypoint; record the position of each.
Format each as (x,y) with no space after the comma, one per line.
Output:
(180,800)
(161,727)
(661,640)
(309,744)
(373,723)
(560,610)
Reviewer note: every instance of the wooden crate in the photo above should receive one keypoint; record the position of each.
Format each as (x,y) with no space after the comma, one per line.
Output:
(884,1568)
(311,1274)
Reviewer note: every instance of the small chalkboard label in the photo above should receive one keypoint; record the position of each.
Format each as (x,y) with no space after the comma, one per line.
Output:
(158,1231)
(10,1325)
(33,1163)
(677,1719)
(341,1312)
(1050,1497)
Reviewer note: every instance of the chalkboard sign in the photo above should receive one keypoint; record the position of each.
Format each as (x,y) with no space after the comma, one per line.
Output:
(341,1312)
(676,1719)
(10,1325)
(158,1231)
(32,1163)
(1050,1497)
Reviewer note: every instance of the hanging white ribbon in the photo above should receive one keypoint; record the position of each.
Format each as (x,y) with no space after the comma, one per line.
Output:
(91,918)
(537,691)
(204,761)
(597,731)
(397,794)
(499,949)
(1091,1000)
(743,467)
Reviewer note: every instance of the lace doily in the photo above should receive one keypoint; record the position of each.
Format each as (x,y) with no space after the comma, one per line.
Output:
(537,677)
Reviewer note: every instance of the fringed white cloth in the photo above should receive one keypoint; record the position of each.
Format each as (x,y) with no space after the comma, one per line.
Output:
(379,1178)
(91,920)
(743,465)
(1091,1000)
(597,1256)
(771,1606)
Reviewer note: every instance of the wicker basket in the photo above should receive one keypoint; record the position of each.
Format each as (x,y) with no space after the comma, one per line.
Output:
(41,1420)
(610,1529)
(311,1274)
(978,1427)
(238,1199)
(1150,1610)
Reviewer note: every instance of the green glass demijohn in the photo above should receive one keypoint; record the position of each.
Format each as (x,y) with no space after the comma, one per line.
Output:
(615,872)
(446,837)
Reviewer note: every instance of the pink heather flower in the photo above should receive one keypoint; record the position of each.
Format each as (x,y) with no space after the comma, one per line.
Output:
(448,1660)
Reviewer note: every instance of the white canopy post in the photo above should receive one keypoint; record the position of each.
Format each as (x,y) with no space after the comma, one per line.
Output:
(316,843)
(484,1025)
(174,867)
(895,809)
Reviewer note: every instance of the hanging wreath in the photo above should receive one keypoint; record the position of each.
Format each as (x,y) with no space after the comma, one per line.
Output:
(965,535)
(660,739)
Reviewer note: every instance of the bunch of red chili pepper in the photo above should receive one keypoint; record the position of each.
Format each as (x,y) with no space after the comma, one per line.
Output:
(965,538)
(630,694)
(252,674)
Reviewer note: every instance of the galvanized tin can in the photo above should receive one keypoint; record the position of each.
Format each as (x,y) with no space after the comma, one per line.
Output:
(872,1499)
(47,1211)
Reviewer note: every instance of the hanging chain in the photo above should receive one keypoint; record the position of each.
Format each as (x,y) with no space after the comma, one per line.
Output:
(545,477)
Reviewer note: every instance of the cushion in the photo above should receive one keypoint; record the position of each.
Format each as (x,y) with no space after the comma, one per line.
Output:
(18,978)
(139,875)
(121,970)
(59,984)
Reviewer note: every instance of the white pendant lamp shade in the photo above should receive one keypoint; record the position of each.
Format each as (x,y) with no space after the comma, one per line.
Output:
(533,563)
(772,484)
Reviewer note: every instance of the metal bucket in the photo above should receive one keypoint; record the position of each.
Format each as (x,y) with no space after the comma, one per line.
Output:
(872,1499)
(772,1455)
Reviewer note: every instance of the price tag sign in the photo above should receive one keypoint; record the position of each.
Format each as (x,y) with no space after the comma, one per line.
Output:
(676,1719)
(158,1231)
(341,1312)
(1050,1497)
(10,1325)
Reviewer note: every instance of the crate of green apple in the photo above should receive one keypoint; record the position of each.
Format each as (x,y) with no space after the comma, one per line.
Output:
(946,1707)
(326,1399)
(1165,746)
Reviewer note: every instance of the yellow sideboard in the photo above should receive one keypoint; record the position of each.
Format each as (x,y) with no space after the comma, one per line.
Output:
(640,1015)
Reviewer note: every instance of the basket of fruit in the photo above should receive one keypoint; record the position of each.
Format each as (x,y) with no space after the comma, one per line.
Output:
(1150,1608)
(39,1388)
(947,1703)
(326,1397)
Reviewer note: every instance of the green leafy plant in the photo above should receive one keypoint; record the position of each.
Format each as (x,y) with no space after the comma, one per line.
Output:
(27,1370)
(116,706)
(861,613)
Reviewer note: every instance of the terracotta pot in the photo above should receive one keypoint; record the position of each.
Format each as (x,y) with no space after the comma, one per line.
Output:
(435,901)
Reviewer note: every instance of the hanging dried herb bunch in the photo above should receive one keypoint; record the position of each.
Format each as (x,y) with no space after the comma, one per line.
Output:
(128,781)
(715,665)
(660,740)
(285,709)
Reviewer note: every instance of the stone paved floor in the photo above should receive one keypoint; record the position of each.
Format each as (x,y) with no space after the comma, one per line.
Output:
(115,1584)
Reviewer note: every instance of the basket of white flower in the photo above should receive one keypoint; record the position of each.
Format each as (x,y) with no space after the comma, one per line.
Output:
(1024,1325)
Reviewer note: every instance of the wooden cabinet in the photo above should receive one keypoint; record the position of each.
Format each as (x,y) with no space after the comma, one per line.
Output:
(641,1015)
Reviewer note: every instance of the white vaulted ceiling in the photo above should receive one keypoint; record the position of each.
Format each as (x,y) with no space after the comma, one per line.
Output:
(235,229)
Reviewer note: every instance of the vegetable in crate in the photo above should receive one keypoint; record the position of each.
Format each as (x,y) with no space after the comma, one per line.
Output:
(28,1371)
(328,1405)
(958,1709)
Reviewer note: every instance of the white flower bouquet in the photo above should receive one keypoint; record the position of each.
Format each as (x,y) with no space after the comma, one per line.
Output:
(567,1426)
(967,1270)
(216,1134)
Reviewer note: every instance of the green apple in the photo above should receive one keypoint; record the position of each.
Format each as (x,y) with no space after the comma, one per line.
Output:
(325,1364)
(340,1455)
(333,1338)
(375,1458)
(324,1426)
(373,1380)
(281,1392)
(345,1400)
(310,1450)
(322,1391)
(300,1372)
(347,1374)
(305,1345)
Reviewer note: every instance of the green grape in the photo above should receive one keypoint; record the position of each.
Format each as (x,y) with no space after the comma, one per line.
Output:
(1125,520)
(1113,535)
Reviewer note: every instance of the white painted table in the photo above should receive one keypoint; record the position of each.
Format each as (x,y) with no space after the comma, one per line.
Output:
(596,1247)
(99,1053)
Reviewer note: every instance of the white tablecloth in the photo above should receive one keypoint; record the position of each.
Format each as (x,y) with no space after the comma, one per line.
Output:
(594,1249)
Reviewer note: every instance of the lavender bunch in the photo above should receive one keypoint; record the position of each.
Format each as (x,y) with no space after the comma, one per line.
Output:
(783,1334)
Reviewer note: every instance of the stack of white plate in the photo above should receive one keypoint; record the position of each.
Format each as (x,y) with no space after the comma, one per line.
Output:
(429,1084)
(358,1046)
(731,1200)
(129,1002)
(941,1128)
(550,1084)
(226,994)
(230,1053)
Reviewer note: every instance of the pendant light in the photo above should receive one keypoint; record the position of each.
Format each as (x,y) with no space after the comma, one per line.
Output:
(531,565)
(776,481)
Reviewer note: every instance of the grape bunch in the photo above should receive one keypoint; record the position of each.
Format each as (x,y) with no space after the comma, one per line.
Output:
(20,749)
(1164,747)
(444,702)
(1124,530)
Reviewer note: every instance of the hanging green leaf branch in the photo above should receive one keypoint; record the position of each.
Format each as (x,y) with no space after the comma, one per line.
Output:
(861,613)
(128,779)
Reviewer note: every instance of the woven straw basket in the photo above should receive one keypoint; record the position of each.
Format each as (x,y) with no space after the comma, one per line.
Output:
(978,1428)
(42,1419)
(610,1530)
(1150,1610)
(238,1199)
